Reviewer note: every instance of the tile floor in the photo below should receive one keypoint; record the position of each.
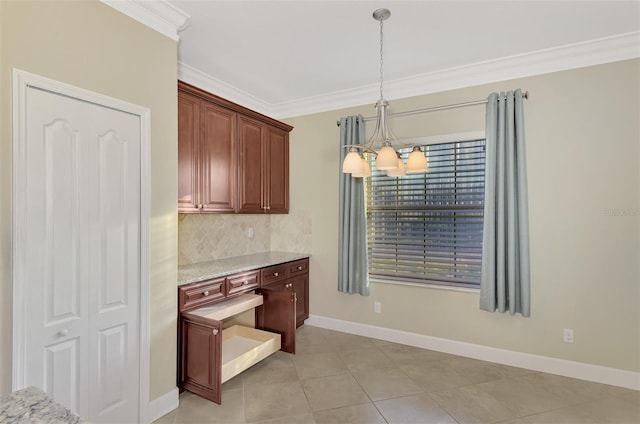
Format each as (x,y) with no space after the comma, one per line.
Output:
(342,378)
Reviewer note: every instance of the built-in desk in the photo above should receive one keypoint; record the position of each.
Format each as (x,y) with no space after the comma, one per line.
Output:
(210,350)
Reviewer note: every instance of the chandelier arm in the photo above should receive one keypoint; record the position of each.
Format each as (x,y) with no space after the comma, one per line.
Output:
(376,131)
(360,146)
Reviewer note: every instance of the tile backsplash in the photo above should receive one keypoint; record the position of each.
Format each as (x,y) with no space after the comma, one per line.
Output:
(203,237)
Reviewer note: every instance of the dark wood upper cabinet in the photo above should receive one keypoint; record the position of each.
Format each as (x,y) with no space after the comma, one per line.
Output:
(230,159)
(218,156)
(277,180)
(188,152)
(252,165)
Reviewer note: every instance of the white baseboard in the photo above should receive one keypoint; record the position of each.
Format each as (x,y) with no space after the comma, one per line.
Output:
(580,370)
(162,405)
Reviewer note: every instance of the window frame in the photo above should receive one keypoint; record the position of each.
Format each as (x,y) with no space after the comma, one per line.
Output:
(430,140)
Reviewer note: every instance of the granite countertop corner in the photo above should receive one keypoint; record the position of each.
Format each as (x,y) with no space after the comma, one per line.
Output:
(33,406)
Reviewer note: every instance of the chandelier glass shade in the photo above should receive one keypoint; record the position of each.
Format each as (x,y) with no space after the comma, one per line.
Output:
(417,161)
(387,158)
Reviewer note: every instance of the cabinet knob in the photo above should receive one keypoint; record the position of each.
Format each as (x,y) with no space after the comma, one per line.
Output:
(288,285)
(63,332)
(275,274)
(299,267)
(245,282)
(215,331)
(206,293)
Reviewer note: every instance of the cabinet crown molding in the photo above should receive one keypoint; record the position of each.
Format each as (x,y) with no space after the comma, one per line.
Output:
(159,15)
(196,91)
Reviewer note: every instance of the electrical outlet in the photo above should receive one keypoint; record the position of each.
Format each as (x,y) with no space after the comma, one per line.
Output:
(250,232)
(567,335)
(377,307)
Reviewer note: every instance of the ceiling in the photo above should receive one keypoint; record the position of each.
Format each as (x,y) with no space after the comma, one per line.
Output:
(287,58)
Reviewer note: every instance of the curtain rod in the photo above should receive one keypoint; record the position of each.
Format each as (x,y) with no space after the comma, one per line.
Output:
(525,95)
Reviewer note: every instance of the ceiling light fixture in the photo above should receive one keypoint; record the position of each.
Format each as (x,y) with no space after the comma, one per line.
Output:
(387,158)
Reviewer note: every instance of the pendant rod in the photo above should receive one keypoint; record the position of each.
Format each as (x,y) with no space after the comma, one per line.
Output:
(525,95)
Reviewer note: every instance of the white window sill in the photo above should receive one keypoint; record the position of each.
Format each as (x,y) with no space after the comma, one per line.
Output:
(426,286)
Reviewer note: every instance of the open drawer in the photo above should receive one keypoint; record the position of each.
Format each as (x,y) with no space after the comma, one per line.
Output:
(210,355)
(243,347)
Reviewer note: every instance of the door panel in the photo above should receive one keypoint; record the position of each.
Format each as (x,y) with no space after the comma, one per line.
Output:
(61,371)
(61,193)
(113,210)
(112,380)
(82,244)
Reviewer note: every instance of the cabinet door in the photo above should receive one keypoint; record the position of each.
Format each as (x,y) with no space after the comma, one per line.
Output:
(189,135)
(300,285)
(201,357)
(277,181)
(251,165)
(219,176)
(278,314)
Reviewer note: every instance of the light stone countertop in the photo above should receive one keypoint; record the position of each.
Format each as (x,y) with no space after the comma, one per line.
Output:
(33,406)
(201,271)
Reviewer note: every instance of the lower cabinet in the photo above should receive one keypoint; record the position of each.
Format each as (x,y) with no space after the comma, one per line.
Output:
(291,277)
(211,354)
(300,286)
(211,350)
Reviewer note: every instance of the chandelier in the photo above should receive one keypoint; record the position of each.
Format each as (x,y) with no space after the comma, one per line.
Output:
(387,158)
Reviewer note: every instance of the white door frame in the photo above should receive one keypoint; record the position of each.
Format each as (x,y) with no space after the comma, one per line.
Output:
(21,82)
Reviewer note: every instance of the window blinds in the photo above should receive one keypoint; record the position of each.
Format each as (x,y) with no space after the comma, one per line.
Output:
(427,227)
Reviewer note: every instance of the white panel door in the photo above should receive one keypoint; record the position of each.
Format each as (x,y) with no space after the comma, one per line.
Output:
(83,255)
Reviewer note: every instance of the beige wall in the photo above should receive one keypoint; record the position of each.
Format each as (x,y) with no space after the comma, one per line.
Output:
(582,146)
(92,46)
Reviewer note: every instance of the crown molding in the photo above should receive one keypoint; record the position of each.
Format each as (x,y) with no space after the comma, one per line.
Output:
(593,52)
(159,15)
(220,88)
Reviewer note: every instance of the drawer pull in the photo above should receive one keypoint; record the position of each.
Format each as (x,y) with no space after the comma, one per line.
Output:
(215,331)
(299,267)
(63,332)
(275,274)
(206,293)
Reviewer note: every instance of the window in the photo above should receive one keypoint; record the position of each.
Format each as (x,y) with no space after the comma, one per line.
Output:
(426,228)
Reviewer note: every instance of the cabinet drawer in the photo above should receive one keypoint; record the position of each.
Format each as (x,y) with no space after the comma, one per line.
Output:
(196,294)
(298,267)
(242,282)
(273,273)
(243,347)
